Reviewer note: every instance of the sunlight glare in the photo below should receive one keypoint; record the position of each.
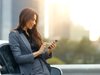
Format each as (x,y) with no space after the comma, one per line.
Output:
(46,23)
(87,14)
(82,12)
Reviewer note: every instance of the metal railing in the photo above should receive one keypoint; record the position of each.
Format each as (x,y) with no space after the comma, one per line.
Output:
(79,69)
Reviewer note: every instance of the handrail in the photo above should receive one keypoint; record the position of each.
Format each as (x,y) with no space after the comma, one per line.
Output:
(3,41)
(78,66)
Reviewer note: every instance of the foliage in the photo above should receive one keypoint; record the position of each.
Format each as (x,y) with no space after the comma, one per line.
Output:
(55,60)
(77,52)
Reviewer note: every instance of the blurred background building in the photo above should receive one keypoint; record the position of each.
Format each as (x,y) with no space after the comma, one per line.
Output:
(9,12)
(54,19)
(78,32)
(59,24)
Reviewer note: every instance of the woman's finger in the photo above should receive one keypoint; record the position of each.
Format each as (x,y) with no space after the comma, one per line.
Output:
(52,46)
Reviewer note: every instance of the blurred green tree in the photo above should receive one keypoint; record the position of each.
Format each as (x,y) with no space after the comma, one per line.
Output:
(77,52)
(55,60)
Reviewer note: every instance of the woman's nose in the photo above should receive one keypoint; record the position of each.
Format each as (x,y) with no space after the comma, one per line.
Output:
(34,22)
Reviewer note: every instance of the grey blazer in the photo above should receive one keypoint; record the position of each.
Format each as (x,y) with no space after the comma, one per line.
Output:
(22,53)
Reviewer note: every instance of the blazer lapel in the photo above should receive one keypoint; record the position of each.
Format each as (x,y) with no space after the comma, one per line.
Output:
(25,41)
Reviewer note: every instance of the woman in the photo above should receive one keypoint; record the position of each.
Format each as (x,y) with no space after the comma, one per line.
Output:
(28,48)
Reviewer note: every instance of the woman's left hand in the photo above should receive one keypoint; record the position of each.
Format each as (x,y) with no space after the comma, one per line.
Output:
(53,45)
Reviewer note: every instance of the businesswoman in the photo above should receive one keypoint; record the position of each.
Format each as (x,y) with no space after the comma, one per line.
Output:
(27,46)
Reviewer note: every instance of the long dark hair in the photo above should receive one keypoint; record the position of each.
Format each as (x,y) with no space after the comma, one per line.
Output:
(26,15)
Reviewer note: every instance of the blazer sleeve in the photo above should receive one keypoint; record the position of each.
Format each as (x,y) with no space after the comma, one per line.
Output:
(16,51)
(45,55)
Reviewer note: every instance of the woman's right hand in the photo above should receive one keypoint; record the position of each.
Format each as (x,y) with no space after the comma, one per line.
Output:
(41,50)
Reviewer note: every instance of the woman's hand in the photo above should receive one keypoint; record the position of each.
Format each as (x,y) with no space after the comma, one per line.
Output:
(52,45)
(41,50)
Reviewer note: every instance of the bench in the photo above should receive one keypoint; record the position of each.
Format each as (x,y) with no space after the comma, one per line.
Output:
(10,67)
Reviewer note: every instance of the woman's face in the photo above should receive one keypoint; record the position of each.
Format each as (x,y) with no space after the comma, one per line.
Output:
(31,23)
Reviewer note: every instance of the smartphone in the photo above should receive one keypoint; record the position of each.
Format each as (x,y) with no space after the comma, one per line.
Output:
(50,44)
(56,41)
